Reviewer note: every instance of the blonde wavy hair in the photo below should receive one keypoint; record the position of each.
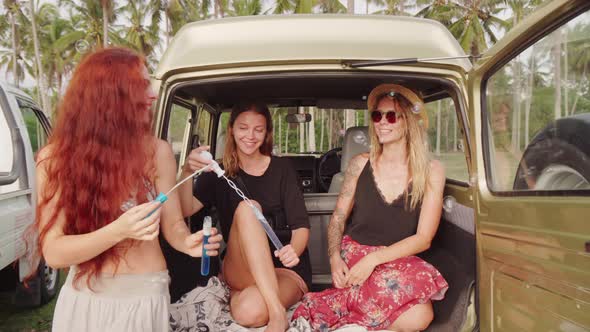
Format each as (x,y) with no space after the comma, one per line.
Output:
(416,145)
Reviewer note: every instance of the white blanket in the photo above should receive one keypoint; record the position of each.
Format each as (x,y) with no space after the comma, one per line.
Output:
(206,309)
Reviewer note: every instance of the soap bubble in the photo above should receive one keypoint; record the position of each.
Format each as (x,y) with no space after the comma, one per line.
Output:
(449,203)
(82,46)
(416,109)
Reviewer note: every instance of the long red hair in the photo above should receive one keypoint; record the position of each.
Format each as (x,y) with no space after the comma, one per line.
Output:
(101,149)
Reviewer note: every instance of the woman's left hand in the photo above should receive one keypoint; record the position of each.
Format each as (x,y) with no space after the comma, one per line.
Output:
(361,270)
(194,243)
(288,256)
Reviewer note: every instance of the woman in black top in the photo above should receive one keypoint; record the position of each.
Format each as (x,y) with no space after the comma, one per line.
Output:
(262,286)
(392,199)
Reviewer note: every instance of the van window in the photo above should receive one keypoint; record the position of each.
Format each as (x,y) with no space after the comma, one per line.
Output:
(6,148)
(35,129)
(324,132)
(220,138)
(204,127)
(445,136)
(179,129)
(537,111)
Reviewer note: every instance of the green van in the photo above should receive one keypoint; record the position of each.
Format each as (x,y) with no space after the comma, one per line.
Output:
(512,128)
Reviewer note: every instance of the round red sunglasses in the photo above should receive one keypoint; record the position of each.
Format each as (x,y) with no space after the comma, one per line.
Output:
(376,116)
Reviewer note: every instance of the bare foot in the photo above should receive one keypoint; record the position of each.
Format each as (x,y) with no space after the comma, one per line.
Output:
(278,323)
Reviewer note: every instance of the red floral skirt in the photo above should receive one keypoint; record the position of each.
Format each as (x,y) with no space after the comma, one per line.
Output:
(390,290)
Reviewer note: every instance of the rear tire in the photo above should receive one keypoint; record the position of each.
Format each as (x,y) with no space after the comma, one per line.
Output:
(49,281)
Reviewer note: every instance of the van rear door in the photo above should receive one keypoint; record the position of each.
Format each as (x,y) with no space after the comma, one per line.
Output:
(531,128)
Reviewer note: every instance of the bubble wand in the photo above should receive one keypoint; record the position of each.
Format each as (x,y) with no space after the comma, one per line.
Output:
(221,173)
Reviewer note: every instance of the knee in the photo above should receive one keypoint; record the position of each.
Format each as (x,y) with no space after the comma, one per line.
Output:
(244,212)
(249,313)
(423,321)
(418,318)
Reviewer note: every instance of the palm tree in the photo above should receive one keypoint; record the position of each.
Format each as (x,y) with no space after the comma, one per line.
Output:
(332,7)
(579,53)
(284,6)
(394,7)
(519,9)
(220,8)
(181,12)
(439,10)
(245,7)
(107,6)
(140,35)
(304,6)
(39,67)
(17,19)
(472,22)
(557,43)
(59,52)
(87,17)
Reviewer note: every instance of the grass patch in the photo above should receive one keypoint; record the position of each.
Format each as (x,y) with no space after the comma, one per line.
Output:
(455,165)
(27,319)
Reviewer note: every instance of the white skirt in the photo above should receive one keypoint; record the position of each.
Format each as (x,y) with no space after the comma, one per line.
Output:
(124,302)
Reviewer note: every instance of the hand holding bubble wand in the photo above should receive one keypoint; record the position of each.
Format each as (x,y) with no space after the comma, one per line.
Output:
(214,166)
(221,173)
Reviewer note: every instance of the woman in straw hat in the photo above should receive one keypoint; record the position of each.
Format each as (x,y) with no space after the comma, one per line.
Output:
(392,200)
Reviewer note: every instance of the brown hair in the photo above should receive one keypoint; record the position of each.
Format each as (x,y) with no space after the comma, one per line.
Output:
(231,163)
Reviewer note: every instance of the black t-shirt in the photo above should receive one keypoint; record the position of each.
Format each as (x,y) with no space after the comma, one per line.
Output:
(276,189)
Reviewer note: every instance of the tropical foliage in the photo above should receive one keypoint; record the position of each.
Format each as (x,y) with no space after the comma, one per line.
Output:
(63,36)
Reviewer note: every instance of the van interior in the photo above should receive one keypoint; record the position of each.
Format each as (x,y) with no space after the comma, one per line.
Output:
(197,112)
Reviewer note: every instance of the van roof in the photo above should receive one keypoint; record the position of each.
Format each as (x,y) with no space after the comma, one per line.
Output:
(268,39)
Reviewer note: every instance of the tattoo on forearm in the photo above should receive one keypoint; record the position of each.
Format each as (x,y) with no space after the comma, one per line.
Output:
(350,177)
(335,231)
(338,220)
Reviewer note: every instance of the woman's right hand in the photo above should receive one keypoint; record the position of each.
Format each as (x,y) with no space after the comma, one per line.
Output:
(137,225)
(196,160)
(339,271)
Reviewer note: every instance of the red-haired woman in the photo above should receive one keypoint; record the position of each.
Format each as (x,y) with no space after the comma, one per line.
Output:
(97,179)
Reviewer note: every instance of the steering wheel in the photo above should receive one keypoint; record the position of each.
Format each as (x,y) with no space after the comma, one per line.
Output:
(328,166)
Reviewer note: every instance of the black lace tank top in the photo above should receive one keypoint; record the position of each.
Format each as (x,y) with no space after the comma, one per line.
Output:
(375,222)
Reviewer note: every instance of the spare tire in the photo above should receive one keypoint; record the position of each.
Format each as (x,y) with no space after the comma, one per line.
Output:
(558,157)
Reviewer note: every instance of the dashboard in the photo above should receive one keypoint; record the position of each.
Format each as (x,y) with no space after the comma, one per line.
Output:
(306,168)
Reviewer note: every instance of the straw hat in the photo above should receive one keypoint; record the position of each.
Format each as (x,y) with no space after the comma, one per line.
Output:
(391,90)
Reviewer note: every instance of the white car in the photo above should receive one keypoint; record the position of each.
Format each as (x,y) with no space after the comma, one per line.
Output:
(23,130)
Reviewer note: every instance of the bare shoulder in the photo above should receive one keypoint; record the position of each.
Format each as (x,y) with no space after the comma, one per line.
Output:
(43,156)
(362,157)
(44,153)
(357,163)
(164,158)
(163,149)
